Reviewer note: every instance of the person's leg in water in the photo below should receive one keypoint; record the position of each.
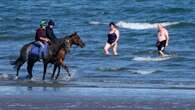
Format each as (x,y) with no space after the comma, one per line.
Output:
(161,53)
(106,48)
(114,49)
(161,49)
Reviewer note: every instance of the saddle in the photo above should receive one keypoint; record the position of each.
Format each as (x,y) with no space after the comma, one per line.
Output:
(37,51)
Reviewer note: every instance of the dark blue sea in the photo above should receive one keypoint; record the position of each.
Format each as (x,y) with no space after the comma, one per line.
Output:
(137,65)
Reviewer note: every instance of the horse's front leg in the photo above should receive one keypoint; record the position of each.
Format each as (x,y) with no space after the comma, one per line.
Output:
(54,70)
(66,68)
(61,63)
(45,70)
(58,72)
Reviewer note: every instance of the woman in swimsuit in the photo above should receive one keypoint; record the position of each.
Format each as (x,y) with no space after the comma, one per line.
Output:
(113,37)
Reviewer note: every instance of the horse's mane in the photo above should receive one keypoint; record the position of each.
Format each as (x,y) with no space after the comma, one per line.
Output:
(60,43)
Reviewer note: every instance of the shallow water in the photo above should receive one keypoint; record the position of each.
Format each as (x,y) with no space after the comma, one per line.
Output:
(74,98)
(137,63)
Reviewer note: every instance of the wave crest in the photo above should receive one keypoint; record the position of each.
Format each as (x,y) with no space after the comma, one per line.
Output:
(142,26)
(94,22)
(109,69)
(151,58)
(144,72)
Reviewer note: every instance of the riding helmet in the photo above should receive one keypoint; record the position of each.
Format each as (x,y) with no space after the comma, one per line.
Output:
(51,22)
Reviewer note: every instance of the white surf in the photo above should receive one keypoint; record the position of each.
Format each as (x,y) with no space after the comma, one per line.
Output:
(94,22)
(136,25)
(144,71)
(151,58)
(142,26)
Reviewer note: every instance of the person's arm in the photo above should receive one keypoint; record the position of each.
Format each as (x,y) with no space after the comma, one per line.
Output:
(117,36)
(39,36)
(157,39)
(42,36)
(167,38)
(44,39)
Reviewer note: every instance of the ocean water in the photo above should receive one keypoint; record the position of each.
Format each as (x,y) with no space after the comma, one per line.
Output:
(137,64)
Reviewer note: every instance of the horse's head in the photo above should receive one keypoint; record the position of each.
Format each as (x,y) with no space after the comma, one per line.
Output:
(76,40)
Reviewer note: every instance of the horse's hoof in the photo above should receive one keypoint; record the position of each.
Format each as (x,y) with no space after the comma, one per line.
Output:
(27,77)
(16,78)
(68,78)
(55,78)
(52,78)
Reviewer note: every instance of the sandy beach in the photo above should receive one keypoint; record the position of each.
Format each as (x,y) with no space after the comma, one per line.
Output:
(91,98)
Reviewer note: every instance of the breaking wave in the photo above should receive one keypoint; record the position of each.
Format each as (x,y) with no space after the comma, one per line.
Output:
(142,26)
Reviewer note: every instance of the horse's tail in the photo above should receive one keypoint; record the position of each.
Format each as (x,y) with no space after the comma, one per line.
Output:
(17,62)
(22,58)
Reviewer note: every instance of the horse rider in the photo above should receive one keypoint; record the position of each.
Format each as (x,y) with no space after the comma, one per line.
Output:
(40,38)
(49,31)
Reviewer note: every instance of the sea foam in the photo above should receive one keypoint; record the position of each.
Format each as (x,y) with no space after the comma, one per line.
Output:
(142,26)
(151,58)
(136,26)
(144,72)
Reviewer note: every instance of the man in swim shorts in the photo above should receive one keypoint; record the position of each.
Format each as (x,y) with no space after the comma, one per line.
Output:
(162,39)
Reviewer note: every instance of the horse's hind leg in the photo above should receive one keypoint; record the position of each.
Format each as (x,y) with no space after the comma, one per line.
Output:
(58,72)
(22,58)
(18,69)
(54,70)
(20,61)
(44,71)
(29,68)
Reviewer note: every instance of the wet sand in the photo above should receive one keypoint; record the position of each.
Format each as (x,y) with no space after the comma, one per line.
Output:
(91,98)
(86,103)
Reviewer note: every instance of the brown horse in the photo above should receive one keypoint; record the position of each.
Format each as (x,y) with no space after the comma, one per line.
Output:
(54,56)
(60,59)
(63,51)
